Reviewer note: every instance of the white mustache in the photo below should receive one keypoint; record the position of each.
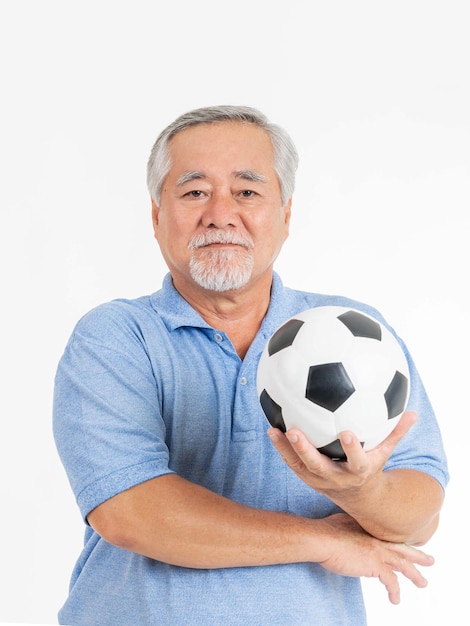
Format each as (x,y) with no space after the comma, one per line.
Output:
(219,236)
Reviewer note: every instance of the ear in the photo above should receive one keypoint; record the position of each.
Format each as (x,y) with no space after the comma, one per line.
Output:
(287,215)
(155,212)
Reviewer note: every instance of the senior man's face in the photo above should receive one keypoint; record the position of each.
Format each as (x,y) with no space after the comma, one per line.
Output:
(220,222)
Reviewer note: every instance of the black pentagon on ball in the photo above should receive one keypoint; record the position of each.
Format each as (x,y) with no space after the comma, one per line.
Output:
(360,325)
(272,410)
(396,395)
(328,385)
(335,450)
(284,336)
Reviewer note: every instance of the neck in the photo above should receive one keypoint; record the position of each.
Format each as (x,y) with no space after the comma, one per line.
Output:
(238,313)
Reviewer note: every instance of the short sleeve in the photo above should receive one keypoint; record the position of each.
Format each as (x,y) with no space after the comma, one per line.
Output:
(107,416)
(422,448)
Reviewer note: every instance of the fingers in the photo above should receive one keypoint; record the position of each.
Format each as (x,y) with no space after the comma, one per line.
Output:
(390,580)
(403,561)
(407,420)
(398,563)
(299,454)
(318,470)
(296,450)
(413,555)
(358,461)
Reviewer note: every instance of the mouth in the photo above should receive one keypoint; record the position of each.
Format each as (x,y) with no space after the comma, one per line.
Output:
(221,244)
(219,240)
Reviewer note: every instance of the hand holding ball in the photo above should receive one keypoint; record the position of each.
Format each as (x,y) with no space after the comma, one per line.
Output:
(331,369)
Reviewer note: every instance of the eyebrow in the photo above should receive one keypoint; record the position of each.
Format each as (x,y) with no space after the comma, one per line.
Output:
(189,176)
(251,175)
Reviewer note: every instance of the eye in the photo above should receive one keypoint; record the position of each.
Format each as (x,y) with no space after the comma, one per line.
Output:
(247,193)
(194,193)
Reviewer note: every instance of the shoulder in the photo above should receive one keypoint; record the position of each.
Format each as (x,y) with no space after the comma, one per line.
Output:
(298,301)
(119,309)
(117,321)
(287,302)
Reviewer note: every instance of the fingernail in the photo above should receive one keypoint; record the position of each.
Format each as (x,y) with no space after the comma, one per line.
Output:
(292,437)
(272,434)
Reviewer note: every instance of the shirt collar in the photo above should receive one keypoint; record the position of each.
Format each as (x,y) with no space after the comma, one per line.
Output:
(176,312)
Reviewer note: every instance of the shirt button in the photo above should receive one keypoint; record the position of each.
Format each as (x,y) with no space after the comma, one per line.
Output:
(243,380)
(218,337)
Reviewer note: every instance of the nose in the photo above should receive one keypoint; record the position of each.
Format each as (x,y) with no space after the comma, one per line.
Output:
(220,211)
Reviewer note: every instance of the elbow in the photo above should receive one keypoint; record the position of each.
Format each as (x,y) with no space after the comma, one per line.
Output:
(414,536)
(425,533)
(412,533)
(113,527)
(417,528)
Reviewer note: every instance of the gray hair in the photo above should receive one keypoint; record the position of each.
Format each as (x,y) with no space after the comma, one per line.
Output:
(285,153)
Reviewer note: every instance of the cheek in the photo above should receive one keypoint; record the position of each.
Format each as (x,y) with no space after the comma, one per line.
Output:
(173,225)
(275,230)
(269,241)
(173,235)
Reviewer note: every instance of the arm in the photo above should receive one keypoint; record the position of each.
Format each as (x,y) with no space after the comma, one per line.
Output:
(400,505)
(172,520)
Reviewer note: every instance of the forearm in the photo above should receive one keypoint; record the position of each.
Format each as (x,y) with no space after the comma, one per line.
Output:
(172,520)
(193,527)
(399,505)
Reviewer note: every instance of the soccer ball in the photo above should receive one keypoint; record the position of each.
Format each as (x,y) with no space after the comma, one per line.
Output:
(331,369)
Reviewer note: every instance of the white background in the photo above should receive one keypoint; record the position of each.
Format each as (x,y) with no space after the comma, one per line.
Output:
(376,96)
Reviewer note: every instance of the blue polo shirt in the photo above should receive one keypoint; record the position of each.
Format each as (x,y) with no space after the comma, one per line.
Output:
(146,388)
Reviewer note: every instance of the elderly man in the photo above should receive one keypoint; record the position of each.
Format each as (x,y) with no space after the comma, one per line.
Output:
(194,515)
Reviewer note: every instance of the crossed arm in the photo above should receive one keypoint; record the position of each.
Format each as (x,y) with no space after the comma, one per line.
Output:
(398,505)
(178,522)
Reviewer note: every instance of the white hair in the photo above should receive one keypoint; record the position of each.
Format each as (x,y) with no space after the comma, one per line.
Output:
(285,153)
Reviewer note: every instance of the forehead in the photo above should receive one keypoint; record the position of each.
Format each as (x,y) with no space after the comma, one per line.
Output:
(237,144)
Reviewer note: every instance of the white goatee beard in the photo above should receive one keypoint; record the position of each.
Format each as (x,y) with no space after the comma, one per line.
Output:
(221,269)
